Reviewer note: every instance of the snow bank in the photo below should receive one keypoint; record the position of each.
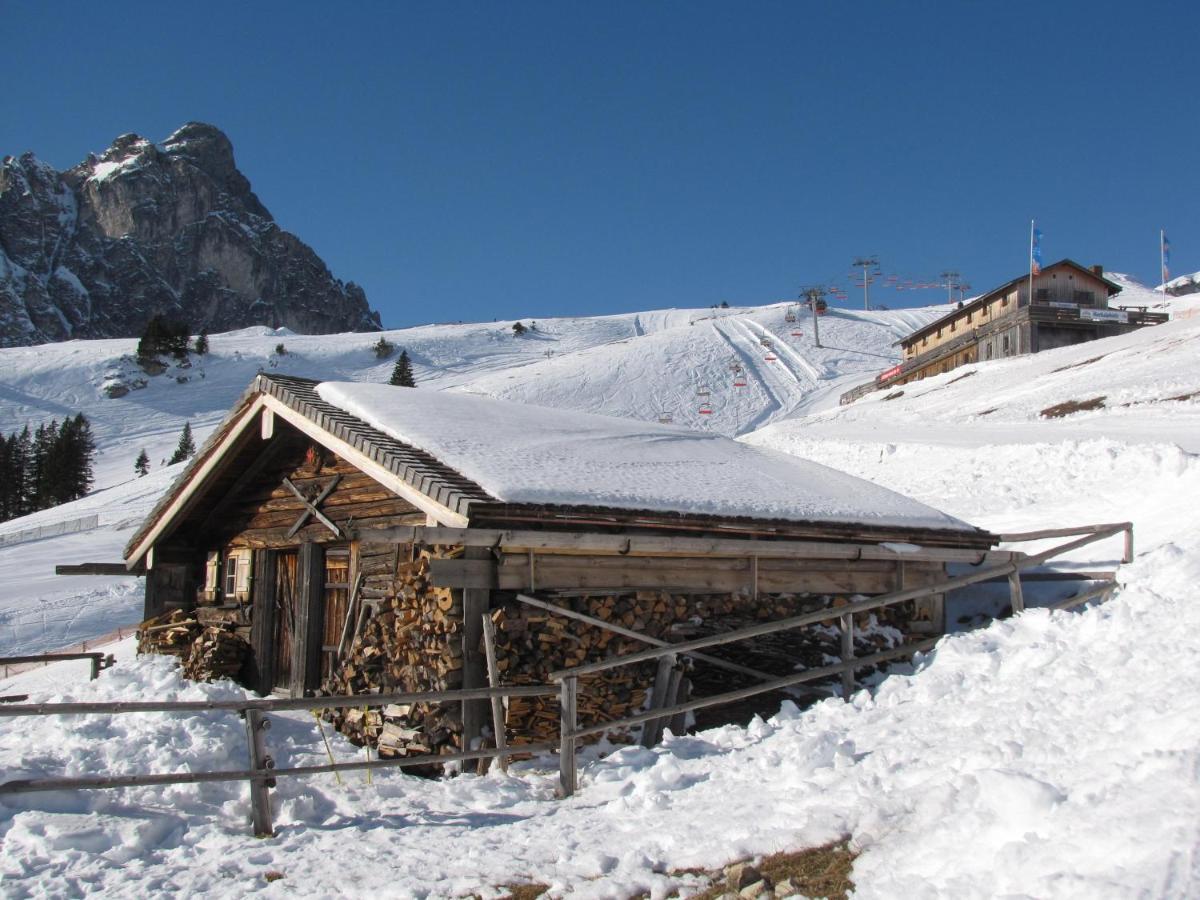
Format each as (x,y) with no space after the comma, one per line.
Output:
(1052,755)
(528,454)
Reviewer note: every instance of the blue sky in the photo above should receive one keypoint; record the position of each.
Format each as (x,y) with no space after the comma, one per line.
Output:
(503,160)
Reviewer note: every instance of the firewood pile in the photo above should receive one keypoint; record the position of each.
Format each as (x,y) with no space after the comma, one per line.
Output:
(404,635)
(217,652)
(206,652)
(170,634)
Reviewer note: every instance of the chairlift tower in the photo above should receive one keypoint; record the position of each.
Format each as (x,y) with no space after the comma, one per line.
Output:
(814,294)
(948,277)
(867,264)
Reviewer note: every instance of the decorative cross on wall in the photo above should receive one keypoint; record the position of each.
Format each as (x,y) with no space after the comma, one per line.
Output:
(311,506)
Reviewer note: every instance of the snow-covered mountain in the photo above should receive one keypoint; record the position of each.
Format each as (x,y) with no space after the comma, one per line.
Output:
(144,229)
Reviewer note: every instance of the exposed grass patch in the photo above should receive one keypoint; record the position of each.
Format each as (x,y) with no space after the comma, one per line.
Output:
(1086,362)
(894,395)
(960,377)
(525,891)
(987,412)
(1072,406)
(814,872)
(273,875)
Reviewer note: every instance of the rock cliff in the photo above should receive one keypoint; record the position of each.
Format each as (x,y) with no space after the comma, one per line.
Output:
(145,228)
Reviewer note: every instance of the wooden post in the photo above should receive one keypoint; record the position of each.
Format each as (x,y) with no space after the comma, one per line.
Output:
(569,694)
(684,694)
(475,603)
(96,666)
(262,622)
(652,730)
(1128,557)
(847,626)
(493,673)
(1014,589)
(257,725)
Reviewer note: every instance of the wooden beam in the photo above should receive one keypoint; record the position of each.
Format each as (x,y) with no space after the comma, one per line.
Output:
(97,568)
(238,488)
(268,424)
(310,506)
(493,673)
(591,543)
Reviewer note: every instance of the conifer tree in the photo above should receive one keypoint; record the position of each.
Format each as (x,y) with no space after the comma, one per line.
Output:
(202,342)
(186,447)
(402,374)
(141,465)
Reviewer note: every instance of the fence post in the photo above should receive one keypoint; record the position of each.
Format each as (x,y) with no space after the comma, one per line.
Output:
(1018,596)
(847,625)
(1128,558)
(96,658)
(659,698)
(569,693)
(257,725)
(493,673)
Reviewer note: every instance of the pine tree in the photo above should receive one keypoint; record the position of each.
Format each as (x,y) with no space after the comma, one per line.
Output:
(518,329)
(23,467)
(186,447)
(402,373)
(202,342)
(141,465)
(80,454)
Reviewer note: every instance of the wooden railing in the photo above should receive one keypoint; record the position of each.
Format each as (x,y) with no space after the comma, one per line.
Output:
(568,679)
(262,771)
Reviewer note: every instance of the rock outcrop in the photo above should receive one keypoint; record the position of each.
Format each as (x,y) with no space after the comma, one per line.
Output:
(143,229)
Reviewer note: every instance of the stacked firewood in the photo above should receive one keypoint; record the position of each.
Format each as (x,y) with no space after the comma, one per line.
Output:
(170,634)
(217,652)
(406,637)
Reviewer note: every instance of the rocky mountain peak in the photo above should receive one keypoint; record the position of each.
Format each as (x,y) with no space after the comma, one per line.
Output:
(145,229)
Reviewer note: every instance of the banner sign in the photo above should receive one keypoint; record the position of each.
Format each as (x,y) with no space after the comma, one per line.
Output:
(1105,315)
(1063,304)
(890,373)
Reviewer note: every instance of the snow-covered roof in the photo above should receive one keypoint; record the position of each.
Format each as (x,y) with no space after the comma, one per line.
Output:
(528,454)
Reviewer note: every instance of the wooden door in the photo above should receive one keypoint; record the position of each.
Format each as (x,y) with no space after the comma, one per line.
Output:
(286,606)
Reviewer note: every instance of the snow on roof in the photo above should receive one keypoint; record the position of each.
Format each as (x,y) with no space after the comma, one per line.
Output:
(528,454)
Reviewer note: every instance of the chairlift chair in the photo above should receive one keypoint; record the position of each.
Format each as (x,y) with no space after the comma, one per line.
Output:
(705,409)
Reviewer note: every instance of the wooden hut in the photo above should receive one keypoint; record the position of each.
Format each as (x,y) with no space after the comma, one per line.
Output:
(351,538)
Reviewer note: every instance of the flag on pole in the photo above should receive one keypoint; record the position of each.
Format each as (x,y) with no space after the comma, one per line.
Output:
(1035,252)
(1166,257)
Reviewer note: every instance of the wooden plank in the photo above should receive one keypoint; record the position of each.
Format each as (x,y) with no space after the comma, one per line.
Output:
(97,568)
(310,506)
(662,545)
(493,673)
(568,723)
(475,604)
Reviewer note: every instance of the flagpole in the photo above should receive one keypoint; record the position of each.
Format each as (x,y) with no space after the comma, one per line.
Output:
(1032,222)
(1162,261)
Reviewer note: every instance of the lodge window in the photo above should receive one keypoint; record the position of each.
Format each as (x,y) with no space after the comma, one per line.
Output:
(1043,293)
(954,326)
(231,569)
(1085,298)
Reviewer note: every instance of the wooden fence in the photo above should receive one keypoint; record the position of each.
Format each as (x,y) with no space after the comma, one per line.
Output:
(262,772)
